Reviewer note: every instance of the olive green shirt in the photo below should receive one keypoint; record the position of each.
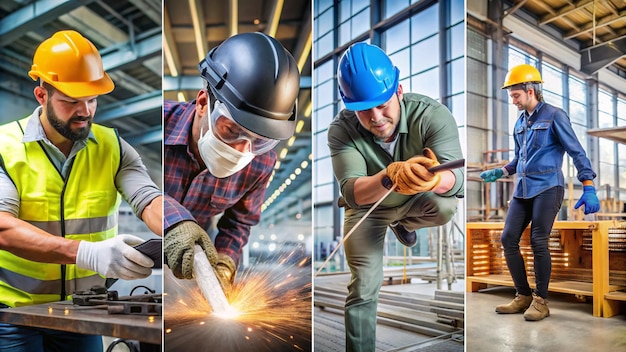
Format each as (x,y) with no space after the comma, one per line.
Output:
(424,122)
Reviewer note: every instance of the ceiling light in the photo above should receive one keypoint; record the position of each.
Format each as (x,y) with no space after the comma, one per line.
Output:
(299,126)
(308,109)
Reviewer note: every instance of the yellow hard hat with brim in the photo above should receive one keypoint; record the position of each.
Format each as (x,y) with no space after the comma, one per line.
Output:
(71,63)
(522,74)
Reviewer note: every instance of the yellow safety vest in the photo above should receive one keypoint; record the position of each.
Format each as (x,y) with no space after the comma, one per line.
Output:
(83,207)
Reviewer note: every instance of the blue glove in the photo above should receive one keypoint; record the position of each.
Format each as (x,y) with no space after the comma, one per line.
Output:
(589,199)
(491,175)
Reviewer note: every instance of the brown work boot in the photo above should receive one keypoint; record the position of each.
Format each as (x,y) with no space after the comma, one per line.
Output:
(517,305)
(537,310)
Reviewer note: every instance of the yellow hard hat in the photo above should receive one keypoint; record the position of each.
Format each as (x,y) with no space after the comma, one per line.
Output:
(71,63)
(522,74)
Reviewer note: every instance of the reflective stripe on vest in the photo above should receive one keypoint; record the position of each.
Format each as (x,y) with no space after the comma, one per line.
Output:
(83,207)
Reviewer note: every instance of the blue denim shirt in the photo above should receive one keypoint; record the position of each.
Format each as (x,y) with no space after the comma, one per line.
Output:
(541,140)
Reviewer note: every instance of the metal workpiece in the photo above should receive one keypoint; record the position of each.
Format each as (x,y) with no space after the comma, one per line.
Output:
(208,282)
(100,297)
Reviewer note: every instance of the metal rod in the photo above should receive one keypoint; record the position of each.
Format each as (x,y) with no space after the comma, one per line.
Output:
(448,166)
(441,167)
(343,240)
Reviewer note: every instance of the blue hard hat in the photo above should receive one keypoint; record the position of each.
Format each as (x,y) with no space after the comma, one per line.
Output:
(367,77)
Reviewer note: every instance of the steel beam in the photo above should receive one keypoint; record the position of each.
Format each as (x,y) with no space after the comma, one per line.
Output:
(151,135)
(199,28)
(130,107)
(196,82)
(277,10)
(170,51)
(33,16)
(128,54)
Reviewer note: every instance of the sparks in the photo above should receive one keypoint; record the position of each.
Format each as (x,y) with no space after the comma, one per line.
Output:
(270,310)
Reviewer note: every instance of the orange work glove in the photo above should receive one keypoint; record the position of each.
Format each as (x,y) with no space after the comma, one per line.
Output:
(412,176)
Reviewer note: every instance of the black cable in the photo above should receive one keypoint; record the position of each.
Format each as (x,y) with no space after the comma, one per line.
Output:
(130,345)
(139,286)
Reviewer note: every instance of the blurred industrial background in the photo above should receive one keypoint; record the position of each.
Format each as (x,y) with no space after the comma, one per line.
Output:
(425,40)
(190,30)
(580,49)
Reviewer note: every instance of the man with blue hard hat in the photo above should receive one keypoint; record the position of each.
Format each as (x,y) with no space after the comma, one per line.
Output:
(386,138)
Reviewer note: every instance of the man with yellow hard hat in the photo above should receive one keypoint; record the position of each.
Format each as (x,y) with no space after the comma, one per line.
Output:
(543,133)
(61,177)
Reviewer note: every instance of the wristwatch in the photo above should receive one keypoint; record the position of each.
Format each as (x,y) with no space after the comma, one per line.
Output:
(386,181)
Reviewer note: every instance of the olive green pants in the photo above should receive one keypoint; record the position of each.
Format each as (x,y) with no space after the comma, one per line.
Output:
(364,252)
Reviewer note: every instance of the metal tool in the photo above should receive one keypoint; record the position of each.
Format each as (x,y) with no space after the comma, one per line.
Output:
(100,297)
(208,282)
(439,168)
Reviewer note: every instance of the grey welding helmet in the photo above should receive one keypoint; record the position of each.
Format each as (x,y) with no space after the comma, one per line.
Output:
(258,80)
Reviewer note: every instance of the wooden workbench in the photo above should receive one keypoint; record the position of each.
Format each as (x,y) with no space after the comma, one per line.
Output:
(575,269)
(93,321)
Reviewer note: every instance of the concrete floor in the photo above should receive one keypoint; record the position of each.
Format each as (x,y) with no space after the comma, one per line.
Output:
(570,326)
(328,324)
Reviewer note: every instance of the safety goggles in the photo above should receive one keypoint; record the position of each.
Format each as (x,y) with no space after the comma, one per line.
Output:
(230,132)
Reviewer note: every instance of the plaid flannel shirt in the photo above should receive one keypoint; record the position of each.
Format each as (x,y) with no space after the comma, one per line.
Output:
(202,196)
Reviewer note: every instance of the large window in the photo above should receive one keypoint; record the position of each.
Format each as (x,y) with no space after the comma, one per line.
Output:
(553,85)
(606,119)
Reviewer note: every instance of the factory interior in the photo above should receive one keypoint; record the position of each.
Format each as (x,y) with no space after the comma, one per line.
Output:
(579,49)
(291,284)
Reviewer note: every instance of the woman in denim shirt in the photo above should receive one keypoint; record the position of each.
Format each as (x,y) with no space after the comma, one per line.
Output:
(543,133)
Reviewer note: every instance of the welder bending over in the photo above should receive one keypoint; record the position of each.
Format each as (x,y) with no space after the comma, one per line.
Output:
(386,137)
(219,153)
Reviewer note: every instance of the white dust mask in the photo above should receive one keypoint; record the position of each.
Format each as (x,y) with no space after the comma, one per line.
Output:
(221,159)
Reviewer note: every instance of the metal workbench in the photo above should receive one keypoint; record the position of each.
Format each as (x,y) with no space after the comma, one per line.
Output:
(65,316)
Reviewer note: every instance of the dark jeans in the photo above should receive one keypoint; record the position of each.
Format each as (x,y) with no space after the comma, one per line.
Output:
(541,211)
(14,338)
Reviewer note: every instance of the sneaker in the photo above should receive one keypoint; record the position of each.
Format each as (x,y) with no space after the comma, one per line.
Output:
(518,305)
(407,238)
(537,310)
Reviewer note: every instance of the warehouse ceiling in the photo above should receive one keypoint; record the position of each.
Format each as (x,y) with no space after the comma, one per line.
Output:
(128,35)
(191,28)
(598,27)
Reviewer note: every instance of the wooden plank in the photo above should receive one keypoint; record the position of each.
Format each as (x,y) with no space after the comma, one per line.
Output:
(616,296)
(600,266)
(428,320)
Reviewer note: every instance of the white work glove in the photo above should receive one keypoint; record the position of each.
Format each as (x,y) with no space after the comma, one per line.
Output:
(115,258)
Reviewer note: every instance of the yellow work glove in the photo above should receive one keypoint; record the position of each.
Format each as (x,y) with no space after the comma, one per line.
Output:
(178,247)
(225,270)
(412,176)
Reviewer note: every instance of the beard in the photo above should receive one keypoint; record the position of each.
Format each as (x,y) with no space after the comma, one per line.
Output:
(65,128)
